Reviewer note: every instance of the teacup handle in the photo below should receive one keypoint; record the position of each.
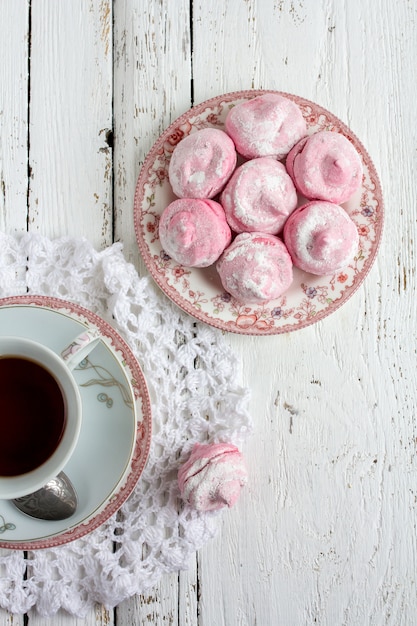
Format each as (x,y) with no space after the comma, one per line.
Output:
(80,347)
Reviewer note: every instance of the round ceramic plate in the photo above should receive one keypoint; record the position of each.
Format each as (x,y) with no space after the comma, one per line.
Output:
(199,291)
(116,430)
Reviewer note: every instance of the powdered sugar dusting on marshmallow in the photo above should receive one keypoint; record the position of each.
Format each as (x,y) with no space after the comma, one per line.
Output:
(321,238)
(202,163)
(194,232)
(325,166)
(267,125)
(213,476)
(259,196)
(255,268)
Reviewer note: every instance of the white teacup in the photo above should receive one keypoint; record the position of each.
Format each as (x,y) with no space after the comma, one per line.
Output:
(40,411)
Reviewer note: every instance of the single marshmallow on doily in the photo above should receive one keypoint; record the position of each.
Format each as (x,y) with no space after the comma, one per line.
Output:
(255,268)
(202,163)
(325,166)
(321,237)
(213,476)
(259,196)
(194,232)
(267,125)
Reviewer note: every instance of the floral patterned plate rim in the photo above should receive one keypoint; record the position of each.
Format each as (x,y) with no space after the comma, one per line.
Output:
(199,291)
(115,435)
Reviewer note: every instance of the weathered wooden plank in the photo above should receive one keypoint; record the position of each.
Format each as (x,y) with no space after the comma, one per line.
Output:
(71,153)
(70,114)
(96,617)
(188,594)
(152,86)
(70,119)
(159,607)
(14,51)
(318,540)
(10,619)
(255,45)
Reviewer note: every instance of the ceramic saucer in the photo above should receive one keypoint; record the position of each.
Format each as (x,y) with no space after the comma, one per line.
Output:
(199,291)
(115,436)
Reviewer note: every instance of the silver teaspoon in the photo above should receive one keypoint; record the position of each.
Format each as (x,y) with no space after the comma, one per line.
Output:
(57,500)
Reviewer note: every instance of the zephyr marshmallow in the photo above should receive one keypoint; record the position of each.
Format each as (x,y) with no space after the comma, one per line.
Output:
(321,237)
(194,232)
(255,268)
(202,163)
(267,125)
(325,166)
(259,196)
(213,476)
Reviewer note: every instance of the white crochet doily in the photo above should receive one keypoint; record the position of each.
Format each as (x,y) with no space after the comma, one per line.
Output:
(154,532)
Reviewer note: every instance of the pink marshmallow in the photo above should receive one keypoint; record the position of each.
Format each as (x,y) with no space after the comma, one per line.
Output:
(321,238)
(295,151)
(267,125)
(202,163)
(259,197)
(213,476)
(255,268)
(325,166)
(194,232)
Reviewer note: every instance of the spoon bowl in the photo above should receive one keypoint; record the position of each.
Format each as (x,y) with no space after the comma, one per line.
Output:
(57,500)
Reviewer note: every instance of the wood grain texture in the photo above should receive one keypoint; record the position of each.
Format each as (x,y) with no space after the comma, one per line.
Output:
(152,82)
(325,532)
(14,53)
(152,86)
(70,118)
(330,511)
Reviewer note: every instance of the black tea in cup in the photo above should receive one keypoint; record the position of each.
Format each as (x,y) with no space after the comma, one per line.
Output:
(32,415)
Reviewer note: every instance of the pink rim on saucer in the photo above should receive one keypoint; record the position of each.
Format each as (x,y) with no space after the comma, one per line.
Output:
(143,423)
(199,291)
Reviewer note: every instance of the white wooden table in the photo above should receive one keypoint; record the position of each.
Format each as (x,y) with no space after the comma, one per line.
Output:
(325,533)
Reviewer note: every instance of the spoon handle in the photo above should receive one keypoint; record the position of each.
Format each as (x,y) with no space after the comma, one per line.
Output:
(80,348)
